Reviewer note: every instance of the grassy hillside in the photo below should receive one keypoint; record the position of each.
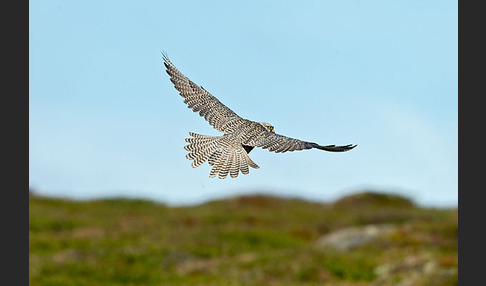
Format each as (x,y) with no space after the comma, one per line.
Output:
(250,240)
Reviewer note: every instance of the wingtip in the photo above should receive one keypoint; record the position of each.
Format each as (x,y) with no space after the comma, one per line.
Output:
(334,148)
(165,57)
(350,147)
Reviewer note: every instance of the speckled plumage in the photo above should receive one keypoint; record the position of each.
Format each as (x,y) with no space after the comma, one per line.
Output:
(228,154)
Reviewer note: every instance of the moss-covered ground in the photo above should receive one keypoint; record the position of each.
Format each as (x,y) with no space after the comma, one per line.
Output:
(249,240)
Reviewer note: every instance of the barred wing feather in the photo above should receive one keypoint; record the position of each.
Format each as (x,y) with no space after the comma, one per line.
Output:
(279,144)
(199,100)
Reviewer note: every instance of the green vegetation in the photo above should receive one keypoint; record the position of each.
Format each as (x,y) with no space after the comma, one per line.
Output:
(249,240)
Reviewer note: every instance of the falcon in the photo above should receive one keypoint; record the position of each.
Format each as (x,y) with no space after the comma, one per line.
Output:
(228,154)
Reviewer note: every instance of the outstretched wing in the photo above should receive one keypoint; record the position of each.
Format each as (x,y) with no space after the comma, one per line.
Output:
(278,143)
(199,100)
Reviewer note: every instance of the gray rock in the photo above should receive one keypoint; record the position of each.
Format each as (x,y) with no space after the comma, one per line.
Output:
(349,238)
(420,269)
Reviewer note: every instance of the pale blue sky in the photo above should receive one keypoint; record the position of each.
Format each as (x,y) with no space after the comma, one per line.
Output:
(105,119)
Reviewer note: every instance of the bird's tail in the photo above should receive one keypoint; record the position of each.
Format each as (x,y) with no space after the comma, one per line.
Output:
(224,155)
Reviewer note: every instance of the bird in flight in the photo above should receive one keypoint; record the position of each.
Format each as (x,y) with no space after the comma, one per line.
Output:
(228,154)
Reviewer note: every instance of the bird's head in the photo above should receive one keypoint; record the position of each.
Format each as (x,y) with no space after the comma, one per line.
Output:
(268,127)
